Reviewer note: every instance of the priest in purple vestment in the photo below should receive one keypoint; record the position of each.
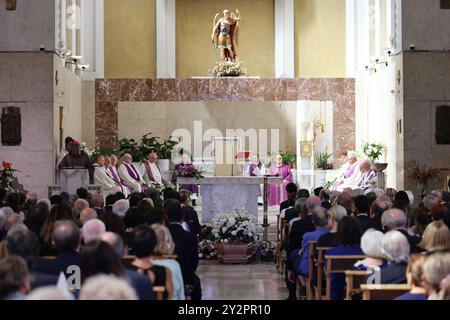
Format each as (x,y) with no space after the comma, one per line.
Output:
(130,175)
(351,176)
(256,168)
(114,174)
(279,169)
(368,180)
(185,162)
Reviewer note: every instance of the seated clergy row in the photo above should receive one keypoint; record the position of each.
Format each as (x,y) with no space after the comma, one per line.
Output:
(355,174)
(126,178)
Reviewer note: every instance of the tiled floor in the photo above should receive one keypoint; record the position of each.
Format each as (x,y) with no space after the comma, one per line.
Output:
(243,282)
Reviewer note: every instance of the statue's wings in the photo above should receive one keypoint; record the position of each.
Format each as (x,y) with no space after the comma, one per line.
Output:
(216,34)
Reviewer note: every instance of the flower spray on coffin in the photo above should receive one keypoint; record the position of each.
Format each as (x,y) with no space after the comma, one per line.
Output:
(235,234)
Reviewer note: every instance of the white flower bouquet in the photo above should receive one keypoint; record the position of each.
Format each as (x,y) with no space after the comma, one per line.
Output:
(225,68)
(237,227)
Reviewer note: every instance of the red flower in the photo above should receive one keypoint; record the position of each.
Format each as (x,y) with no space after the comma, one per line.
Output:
(6,165)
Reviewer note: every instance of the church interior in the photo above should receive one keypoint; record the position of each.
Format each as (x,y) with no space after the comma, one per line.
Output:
(287,91)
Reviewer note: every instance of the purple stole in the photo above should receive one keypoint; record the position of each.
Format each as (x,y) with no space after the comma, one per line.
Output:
(253,167)
(351,170)
(132,171)
(368,176)
(149,171)
(112,173)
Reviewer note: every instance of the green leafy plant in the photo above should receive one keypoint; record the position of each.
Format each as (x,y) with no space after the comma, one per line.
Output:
(373,151)
(140,150)
(289,158)
(329,184)
(322,160)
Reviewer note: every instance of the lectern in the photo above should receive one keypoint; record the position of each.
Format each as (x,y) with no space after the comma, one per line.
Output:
(70,179)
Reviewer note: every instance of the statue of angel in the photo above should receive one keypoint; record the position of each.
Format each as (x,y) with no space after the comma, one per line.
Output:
(225,34)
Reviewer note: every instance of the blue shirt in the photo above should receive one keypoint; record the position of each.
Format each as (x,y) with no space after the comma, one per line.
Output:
(307,237)
(412,296)
(338,279)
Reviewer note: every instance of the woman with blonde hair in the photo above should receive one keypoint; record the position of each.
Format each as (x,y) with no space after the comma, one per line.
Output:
(414,275)
(436,237)
(163,249)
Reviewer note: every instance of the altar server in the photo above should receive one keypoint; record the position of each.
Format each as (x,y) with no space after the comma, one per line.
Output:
(130,175)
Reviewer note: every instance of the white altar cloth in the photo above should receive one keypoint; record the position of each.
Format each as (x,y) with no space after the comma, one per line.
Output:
(226,194)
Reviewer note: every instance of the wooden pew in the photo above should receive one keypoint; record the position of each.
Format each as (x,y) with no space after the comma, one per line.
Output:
(338,264)
(308,280)
(354,280)
(383,291)
(320,270)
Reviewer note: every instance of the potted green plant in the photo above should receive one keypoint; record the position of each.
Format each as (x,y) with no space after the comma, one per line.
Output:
(132,147)
(289,158)
(165,152)
(323,160)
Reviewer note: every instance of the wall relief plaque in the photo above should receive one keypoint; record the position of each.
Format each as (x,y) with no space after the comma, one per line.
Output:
(442,125)
(11,122)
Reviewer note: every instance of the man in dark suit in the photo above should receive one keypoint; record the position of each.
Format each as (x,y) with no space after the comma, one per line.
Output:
(362,205)
(298,229)
(186,249)
(395,219)
(291,189)
(2,197)
(190,215)
(141,283)
(24,243)
(292,213)
(66,240)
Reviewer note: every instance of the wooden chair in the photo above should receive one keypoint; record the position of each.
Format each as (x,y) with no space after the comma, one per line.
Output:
(281,245)
(320,272)
(159,292)
(307,281)
(354,279)
(383,291)
(338,264)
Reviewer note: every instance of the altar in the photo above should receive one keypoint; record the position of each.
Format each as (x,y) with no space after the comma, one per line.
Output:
(226,194)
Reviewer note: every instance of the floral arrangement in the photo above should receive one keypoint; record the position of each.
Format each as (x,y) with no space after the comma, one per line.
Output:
(189,172)
(422,174)
(373,151)
(207,250)
(226,68)
(7,175)
(237,227)
(267,250)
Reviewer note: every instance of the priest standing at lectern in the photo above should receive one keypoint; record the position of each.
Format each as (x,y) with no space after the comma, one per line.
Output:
(77,158)
(130,174)
(279,169)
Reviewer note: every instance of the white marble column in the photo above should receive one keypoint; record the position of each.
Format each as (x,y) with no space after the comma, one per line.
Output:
(92,38)
(165,39)
(284,39)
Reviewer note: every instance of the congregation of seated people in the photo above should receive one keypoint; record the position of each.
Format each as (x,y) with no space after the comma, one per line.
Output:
(391,236)
(135,248)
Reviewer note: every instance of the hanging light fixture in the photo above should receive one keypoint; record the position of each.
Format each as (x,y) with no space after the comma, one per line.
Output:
(10,4)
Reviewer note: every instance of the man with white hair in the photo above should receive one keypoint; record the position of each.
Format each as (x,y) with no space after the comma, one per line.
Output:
(49,293)
(130,175)
(352,176)
(107,287)
(121,207)
(46,201)
(395,219)
(87,214)
(140,283)
(80,205)
(92,230)
(395,249)
(103,177)
(369,176)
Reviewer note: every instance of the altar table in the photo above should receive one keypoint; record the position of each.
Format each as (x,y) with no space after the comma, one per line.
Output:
(226,194)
